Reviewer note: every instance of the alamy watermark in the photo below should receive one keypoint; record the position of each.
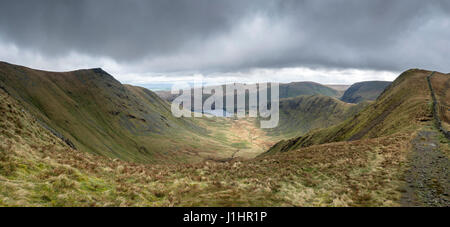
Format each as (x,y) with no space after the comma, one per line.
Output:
(228,100)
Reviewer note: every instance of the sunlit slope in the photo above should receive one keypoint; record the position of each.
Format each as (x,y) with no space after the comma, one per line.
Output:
(364,91)
(100,115)
(301,114)
(399,108)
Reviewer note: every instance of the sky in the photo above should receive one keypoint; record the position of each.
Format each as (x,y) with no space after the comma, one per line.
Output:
(162,41)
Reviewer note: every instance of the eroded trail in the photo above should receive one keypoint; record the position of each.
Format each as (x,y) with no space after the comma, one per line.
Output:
(427,177)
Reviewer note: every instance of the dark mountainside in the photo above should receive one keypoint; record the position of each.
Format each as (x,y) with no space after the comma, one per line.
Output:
(98,114)
(364,91)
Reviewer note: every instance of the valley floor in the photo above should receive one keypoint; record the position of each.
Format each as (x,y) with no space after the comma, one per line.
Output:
(238,138)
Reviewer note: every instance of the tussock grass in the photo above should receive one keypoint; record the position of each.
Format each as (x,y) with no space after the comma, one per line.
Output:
(40,170)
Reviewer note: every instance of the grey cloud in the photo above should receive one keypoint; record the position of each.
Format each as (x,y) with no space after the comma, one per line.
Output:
(120,29)
(204,35)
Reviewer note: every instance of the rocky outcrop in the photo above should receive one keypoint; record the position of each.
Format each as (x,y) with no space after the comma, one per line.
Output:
(57,134)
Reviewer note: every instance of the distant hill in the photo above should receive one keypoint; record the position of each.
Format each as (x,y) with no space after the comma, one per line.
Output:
(306,88)
(364,91)
(338,87)
(286,91)
(398,109)
(300,114)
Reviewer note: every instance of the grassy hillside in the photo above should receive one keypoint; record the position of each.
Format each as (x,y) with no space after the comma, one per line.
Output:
(364,91)
(38,169)
(99,115)
(396,110)
(301,114)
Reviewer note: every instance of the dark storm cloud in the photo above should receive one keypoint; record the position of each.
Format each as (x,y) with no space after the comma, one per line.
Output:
(230,35)
(120,29)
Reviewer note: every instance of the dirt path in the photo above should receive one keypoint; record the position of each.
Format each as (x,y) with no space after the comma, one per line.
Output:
(427,177)
(428,182)
(436,115)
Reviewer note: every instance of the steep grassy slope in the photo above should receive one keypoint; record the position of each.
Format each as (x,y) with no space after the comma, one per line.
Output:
(100,115)
(396,110)
(38,169)
(301,114)
(364,91)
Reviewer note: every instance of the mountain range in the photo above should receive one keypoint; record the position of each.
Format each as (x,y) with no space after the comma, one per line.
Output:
(82,138)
